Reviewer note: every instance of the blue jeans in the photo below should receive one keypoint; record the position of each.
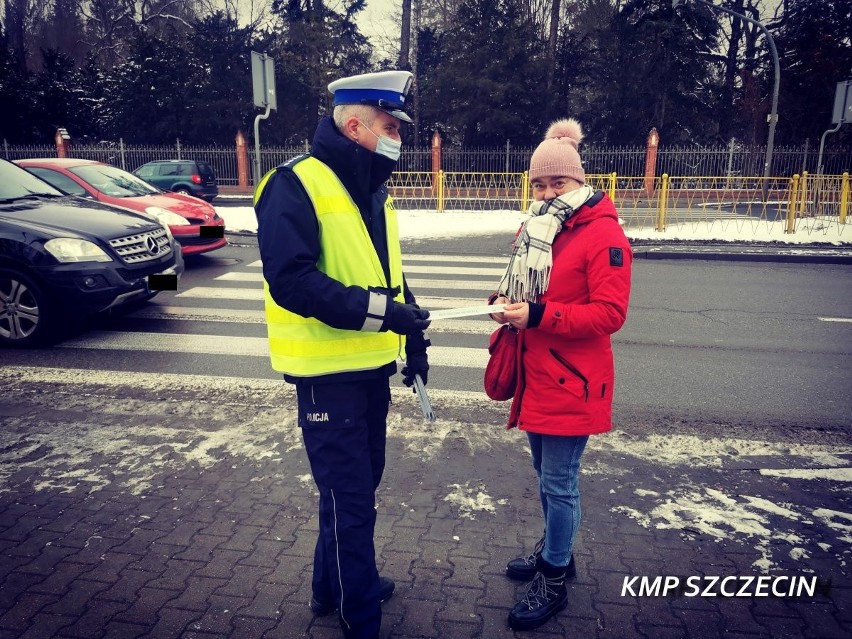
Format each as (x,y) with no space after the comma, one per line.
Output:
(556,460)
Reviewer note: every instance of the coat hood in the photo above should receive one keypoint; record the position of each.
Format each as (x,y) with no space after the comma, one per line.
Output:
(361,171)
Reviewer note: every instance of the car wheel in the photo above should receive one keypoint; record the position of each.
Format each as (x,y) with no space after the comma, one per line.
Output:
(183,190)
(25,313)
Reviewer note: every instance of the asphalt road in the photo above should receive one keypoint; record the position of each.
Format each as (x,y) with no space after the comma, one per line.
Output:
(153,483)
(746,344)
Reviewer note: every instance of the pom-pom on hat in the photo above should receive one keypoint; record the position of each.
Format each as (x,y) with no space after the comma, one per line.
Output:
(386,90)
(557,155)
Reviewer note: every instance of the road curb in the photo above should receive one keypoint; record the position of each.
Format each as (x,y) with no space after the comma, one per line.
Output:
(745,253)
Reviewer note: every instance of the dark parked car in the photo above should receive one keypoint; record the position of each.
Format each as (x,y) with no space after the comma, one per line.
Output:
(63,257)
(181,176)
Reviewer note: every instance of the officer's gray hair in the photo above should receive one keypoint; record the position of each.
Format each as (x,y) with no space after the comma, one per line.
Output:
(363,112)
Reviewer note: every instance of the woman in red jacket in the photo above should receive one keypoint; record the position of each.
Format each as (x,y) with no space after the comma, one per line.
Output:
(567,286)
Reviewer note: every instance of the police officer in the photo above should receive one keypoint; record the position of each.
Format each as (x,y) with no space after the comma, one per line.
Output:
(339,313)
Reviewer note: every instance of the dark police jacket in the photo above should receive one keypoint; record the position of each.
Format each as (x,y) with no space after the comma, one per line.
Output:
(288,237)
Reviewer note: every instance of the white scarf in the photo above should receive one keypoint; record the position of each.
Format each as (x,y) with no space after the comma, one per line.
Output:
(528,275)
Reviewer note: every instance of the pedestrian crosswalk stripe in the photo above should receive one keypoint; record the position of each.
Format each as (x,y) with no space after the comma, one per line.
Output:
(489,284)
(443,259)
(449,259)
(217,386)
(200,314)
(449,356)
(474,326)
(494,273)
(219,293)
(478,271)
(256,294)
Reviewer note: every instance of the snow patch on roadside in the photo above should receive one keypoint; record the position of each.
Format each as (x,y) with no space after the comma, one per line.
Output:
(835,474)
(429,224)
(772,529)
(689,450)
(98,428)
(91,456)
(743,519)
(472,499)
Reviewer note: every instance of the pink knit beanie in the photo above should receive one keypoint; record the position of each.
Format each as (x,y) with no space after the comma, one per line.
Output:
(557,155)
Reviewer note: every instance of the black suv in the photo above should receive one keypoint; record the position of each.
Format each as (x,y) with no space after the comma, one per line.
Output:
(64,257)
(181,176)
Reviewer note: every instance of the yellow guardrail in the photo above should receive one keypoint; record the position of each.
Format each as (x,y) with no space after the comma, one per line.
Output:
(817,205)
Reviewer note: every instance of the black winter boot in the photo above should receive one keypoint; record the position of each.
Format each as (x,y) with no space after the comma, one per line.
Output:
(523,568)
(324,608)
(546,596)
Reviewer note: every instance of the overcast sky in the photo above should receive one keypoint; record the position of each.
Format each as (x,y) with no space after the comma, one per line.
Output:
(376,22)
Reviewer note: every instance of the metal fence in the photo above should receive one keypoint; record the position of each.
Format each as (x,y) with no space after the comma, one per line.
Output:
(817,206)
(719,161)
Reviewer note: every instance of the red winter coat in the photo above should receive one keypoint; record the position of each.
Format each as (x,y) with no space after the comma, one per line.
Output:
(567,374)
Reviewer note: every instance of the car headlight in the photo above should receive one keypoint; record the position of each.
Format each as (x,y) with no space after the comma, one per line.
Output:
(67,249)
(166,217)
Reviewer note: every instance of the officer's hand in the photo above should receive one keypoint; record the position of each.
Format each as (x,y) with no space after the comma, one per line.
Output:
(406,318)
(415,364)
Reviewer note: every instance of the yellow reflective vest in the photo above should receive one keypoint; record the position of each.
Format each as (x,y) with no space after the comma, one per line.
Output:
(304,346)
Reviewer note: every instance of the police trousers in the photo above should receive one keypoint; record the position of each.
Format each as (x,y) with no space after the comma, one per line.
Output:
(344,428)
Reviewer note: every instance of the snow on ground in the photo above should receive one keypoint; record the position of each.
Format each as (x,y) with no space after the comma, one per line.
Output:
(239,419)
(453,224)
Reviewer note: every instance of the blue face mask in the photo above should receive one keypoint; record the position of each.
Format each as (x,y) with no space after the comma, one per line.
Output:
(386,146)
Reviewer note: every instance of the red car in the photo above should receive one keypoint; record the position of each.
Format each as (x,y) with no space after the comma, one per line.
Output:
(193,222)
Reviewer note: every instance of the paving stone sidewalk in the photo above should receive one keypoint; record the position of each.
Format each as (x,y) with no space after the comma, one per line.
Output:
(161,512)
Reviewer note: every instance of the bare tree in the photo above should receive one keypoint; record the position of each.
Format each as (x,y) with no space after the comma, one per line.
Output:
(110,23)
(552,41)
(247,13)
(405,35)
(22,18)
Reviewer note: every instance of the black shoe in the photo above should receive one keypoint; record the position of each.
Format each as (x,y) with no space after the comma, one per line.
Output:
(523,568)
(323,609)
(546,596)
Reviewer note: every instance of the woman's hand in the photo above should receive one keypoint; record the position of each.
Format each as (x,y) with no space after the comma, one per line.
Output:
(518,314)
(499,317)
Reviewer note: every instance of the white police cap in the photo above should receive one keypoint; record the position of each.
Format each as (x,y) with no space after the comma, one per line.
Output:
(386,90)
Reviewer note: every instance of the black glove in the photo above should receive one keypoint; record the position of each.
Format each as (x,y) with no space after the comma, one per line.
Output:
(406,318)
(415,365)
(416,360)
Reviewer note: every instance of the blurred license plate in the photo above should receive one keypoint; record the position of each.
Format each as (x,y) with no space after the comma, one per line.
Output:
(212,231)
(162,282)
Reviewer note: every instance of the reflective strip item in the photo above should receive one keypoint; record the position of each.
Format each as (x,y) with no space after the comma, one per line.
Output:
(305,347)
(376,307)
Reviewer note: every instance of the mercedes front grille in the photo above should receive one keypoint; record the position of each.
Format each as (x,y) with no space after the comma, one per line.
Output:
(142,247)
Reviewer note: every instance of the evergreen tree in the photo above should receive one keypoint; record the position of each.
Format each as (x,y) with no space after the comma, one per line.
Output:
(60,100)
(815,46)
(645,69)
(149,95)
(490,85)
(17,96)
(220,102)
(312,45)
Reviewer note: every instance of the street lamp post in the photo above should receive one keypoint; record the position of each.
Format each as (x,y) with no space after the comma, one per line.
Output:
(773,116)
